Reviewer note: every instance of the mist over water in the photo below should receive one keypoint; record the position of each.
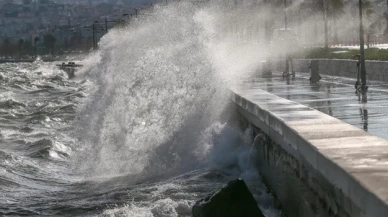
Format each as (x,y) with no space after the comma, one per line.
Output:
(162,82)
(143,128)
(147,130)
(162,86)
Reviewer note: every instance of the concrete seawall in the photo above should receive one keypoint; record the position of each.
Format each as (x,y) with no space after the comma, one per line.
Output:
(376,70)
(316,165)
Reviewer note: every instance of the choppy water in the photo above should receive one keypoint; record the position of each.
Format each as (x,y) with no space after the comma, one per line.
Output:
(139,132)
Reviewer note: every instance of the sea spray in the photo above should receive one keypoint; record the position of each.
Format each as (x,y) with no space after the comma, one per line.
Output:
(155,83)
(161,84)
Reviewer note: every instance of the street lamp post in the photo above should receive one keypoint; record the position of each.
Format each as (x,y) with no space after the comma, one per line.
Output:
(111,21)
(362,51)
(94,35)
(106,21)
(94,31)
(106,25)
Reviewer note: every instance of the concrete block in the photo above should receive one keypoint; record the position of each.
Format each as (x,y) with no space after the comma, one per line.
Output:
(250,107)
(332,172)
(314,76)
(369,65)
(384,69)
(262,114)
(332,67)
(323,67)
(243,103)
(275,124)
(342,66)
(290,137)
(352,66)
(307,152)
(254,120)
(347,68)
(358,195)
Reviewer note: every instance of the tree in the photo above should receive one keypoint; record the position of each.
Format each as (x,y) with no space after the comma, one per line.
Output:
(66,43)
(322,6)
(49,41)
(329,8)
(20,44)
(335,11)
(89,43)
(75,41)
(368,13)
(36,39)
(6,48)
(28,47)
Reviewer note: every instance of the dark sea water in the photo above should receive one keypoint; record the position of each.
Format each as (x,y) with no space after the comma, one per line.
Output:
(39,157)
(138,132)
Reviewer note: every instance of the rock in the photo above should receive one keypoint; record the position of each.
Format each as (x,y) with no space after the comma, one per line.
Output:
(233,200)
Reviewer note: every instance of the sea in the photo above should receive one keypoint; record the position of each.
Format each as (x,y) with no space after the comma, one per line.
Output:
(142,130)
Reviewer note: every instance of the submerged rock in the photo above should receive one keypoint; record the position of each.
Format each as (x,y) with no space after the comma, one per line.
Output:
(233,200)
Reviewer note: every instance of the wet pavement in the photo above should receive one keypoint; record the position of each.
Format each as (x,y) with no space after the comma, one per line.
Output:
(323,127)
(335,96)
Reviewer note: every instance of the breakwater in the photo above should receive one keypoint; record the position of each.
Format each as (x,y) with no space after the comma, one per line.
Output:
(315,165)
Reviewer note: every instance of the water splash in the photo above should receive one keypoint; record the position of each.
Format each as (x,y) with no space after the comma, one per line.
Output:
(157,93)
(161,86)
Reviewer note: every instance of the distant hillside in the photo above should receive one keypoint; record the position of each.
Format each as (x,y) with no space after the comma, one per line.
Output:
(94,2)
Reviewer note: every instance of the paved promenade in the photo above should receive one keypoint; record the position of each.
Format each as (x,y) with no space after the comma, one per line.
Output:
(334,96)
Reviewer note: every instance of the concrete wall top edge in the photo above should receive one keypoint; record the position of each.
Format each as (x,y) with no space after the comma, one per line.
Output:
(362,157)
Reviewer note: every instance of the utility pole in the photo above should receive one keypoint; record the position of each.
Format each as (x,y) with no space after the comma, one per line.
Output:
(94,35)
(106,25)
(362,51)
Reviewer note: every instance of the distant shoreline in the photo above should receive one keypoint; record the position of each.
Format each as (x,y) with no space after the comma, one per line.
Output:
(16,61)
(31,60)
(25,60)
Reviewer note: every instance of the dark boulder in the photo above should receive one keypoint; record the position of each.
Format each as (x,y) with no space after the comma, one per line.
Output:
(233,200)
